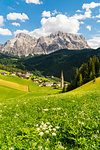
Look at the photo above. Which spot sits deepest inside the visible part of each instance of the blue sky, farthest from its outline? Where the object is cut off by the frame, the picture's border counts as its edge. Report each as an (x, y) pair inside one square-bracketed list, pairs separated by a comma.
[(42, 17)]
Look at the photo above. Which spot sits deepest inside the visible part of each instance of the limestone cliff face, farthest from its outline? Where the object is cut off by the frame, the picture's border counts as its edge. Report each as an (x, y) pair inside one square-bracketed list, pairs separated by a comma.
[(24, 44), (1, 46)]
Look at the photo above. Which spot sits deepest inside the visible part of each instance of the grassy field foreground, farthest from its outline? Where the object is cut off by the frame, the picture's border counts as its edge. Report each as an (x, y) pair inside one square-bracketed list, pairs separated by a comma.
[(54, 122)]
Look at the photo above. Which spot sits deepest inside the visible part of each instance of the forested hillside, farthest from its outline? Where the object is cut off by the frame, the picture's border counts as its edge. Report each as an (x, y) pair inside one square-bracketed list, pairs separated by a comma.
[(52, 64)]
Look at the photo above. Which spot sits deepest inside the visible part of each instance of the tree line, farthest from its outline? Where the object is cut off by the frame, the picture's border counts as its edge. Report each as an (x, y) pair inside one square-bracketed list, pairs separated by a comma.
[(87, 72), (11, 69)]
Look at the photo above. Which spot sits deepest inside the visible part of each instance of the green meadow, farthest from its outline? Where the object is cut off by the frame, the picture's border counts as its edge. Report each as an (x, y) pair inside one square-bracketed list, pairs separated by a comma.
[(43, 118)]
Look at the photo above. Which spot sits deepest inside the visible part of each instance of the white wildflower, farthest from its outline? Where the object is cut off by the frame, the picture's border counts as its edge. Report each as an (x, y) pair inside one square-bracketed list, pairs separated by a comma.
[(41, 126), (50, 129), (44, 128), (41, 133), (58, 108), (48, 123), (95, 136), (53, 134), (42, 123), (46, 109), (54, 129), (97, 131), (36, 125), (11, 148), (50, 126), (57, 127), (47, 131), (40, 148), (17, 115), (38, 129)]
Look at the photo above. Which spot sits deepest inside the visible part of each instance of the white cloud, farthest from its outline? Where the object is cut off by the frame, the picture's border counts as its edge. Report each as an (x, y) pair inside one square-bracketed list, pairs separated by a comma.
[(54, 24), (34, 1), (46, 14), (16, 24), (81, 22), (98, 16), (86, 15), (55, 12), (88, 27), (21, 31), (79, 11), (94, 42), (90, 6), (1, 20), (98, 21), (5, 32), (15, 16)]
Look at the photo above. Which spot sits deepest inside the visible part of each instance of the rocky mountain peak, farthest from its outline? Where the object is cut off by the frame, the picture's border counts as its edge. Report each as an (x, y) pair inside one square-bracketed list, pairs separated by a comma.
[(24, 44)]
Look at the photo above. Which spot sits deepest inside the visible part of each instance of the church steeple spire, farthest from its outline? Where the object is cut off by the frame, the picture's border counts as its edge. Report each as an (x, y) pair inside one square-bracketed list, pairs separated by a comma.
[(62, 79)]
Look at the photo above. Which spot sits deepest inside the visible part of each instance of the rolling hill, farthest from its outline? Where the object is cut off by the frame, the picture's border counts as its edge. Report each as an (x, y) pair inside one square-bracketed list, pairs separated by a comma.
[(66, 60), (58, 121)]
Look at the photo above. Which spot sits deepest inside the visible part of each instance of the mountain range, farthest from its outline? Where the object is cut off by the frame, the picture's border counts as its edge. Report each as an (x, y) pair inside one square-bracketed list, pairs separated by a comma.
[(24, 45)]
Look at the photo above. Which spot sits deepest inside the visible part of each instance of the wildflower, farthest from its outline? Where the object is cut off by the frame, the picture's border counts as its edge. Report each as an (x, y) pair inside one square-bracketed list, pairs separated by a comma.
[(45, 125), (58, 108), (82, 123), (48, 122), (50, 126), (40, 126), (11, 148), (57, 127), (40, 147), (36, 125), (95, 136), (41, 133), (46, 109), (38, 129), (53, 134), (42, 123), (47, 131), (97, 131), (50, 129), (17, 115), (43, 128), (54, 129)]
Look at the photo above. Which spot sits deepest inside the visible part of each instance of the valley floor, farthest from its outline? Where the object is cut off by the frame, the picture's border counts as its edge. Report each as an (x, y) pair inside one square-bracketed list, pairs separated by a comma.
[(47, 120)]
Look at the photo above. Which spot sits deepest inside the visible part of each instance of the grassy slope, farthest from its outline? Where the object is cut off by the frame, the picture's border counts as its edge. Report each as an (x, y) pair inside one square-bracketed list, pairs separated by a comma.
[(15, 82), (7, 93), (76, 113), (14, 85)]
